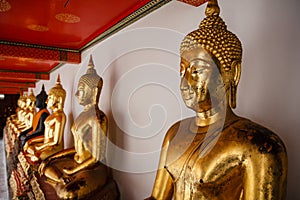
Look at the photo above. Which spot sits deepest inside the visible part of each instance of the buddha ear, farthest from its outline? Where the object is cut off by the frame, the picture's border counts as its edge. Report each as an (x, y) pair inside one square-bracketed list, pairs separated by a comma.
[(236, 67), (236, 74), (95, 95), (60, 102)]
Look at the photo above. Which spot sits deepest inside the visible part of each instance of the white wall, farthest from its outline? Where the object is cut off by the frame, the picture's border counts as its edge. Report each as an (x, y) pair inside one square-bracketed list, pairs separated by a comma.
[(141, 96)]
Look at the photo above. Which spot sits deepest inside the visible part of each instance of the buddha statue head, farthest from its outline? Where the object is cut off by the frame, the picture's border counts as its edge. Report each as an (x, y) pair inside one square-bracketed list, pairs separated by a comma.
[(208, 46), (89, 86), (21, 101), (24, 100), (41, 99), (30, 100), (56, 96)]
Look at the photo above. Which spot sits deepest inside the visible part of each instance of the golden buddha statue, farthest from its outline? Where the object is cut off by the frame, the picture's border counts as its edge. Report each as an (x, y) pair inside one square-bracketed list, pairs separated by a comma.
[(217, 154), (79, 171), (39, 118), (20, 112), (27, 114), (22, 106), (14, 117), (41, 147)]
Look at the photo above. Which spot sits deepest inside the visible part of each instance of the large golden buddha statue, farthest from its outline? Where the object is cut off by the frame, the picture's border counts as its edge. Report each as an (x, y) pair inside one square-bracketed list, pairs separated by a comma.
[(77, 172), (217, 154), (41, 147)]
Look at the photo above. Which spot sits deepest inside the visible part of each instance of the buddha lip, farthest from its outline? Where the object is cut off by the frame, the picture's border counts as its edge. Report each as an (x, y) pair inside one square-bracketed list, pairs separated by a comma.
[(187, 97)]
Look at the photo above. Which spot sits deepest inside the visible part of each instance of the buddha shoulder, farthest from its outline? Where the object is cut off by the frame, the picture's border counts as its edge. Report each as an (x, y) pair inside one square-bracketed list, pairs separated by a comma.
[(249, 133), (180, 129)]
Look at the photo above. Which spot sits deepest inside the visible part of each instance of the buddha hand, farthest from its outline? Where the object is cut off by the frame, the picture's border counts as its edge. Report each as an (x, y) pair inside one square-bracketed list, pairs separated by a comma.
[(41, 169)]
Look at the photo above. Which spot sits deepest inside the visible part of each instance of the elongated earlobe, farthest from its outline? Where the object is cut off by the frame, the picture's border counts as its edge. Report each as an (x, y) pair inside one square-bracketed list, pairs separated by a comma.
[(95, 95), (60, 103), (236, 70), (232, 101)]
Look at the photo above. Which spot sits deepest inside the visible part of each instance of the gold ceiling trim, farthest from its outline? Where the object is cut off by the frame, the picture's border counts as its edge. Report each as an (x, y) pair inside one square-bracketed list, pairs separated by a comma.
[(138, 14), (38, 46)]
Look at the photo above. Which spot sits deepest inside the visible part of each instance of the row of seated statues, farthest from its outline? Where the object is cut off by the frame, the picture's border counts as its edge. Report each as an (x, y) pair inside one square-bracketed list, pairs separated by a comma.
[(214, 155), (71, 172)]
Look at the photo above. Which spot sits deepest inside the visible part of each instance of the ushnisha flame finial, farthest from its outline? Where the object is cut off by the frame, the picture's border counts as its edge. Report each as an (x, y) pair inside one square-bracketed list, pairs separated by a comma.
[(212, 8), (91, 63), (58, 79)]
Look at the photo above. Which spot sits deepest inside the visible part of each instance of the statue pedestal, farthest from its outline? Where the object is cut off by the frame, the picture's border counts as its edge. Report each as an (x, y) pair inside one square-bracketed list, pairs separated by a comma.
[(25, 182)]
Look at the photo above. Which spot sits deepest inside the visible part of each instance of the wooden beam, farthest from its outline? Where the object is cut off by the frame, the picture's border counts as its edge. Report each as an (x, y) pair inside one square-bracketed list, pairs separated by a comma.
[(12, 90), (18, 50), (23, 76), (17, 85)]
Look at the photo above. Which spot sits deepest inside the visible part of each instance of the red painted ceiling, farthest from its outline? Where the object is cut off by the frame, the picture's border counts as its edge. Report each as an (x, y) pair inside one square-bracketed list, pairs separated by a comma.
[(37, 36), (62, 23)]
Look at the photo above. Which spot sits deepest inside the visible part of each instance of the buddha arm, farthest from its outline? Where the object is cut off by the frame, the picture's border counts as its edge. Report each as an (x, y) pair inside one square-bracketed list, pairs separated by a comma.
[(38, 139), (56, 135), (29, 118), (60, 154), (163, 186), (265, 176), (23, 133), (66, 152), (90, 161)]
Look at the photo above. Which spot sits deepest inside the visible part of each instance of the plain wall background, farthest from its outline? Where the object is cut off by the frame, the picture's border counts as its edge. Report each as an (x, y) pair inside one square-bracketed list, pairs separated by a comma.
[(141, 97)]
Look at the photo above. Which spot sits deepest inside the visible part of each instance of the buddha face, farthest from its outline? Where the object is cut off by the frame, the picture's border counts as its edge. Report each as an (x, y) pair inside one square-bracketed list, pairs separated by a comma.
[(200, 78), (20, 103), (51, 101), (83, 94)]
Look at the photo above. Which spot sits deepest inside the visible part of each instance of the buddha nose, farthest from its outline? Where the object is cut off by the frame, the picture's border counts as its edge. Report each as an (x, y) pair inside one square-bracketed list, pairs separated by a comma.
[(184, 80)]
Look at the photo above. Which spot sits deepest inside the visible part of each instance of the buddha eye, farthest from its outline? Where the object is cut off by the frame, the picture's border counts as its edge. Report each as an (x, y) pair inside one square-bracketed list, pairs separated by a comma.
[(182, 69), (198, 71)]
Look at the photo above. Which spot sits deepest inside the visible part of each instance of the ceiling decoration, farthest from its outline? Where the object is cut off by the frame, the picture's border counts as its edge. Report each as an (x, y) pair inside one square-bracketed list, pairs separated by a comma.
[(4, 6), (36, 27), (40, 36), (67, 18)]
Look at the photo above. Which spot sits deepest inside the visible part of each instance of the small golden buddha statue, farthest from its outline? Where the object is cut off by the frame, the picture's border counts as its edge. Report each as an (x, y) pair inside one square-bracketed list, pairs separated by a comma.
[(14, 117), (217, 154), (39, 118), (41, 147), (22, 106), (19, 118), (79, 171), (27, 115)]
